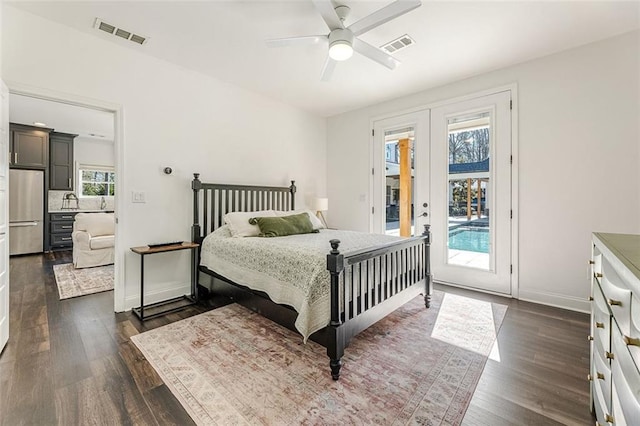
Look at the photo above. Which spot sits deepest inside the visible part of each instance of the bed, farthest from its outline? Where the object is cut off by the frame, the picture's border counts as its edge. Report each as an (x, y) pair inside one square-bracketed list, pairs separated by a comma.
[(328, 286)]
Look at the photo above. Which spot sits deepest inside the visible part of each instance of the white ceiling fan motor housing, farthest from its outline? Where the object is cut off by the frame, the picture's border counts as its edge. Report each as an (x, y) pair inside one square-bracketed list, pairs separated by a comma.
[(340, 44)]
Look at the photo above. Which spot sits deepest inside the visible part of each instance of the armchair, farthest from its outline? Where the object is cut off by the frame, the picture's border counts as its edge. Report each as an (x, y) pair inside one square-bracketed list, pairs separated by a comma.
[(93, 239)]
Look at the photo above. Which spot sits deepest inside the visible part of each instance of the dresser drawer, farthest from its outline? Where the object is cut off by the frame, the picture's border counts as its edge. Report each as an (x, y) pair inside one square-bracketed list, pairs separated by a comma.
[(602, 415), (56, 217), (61, 227), (600, 322), (633, 338), (626, 383), (601, 376), (617, 296), (596, 262)]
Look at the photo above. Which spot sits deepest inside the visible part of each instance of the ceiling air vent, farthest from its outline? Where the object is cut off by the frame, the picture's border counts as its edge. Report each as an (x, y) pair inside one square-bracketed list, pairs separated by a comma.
[(398, 44), (113, 30)]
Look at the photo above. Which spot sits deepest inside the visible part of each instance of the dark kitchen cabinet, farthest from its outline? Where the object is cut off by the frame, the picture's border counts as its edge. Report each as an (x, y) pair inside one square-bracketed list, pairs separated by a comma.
[(29, 146), (61, 227), (61, 161)]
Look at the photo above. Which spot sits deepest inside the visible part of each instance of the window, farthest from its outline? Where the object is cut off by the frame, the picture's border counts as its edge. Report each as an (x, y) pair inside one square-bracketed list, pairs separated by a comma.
[(96, 181)]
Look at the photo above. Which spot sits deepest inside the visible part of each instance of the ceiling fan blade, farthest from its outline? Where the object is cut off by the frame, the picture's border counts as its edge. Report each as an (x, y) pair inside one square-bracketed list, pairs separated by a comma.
[(296, 41), (375, 54), (328, 12), (327, 71), (379, 17)]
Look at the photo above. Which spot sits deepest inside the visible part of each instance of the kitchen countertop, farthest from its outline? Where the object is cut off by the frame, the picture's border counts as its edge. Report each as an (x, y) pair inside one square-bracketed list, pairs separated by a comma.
[(79, 211)]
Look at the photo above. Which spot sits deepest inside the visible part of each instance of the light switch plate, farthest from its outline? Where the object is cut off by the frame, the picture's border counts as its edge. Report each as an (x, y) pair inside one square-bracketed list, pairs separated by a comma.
[(137, 197)]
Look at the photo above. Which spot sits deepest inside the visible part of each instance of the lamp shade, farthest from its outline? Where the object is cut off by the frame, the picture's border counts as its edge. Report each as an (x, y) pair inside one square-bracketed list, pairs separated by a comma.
[(321, 204)]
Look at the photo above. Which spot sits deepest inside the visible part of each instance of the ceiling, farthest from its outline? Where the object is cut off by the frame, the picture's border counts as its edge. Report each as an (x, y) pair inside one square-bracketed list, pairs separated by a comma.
[(454, 40), (85, 122)]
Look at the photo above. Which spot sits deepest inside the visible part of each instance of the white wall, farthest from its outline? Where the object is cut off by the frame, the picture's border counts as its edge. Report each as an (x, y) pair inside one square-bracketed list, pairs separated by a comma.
[(172, 117), (94, 151), (579, 159)]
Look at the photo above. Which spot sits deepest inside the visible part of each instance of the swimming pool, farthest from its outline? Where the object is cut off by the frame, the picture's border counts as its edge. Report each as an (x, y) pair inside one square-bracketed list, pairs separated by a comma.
[(469, 239)]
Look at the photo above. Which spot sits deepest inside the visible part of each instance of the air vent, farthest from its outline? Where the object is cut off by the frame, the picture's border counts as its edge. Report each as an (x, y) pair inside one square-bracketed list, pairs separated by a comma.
[(113, 30), (398, 44)]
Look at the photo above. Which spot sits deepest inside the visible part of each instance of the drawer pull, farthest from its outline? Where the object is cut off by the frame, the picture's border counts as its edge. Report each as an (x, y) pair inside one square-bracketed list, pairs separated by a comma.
[(631, 341), (66, 217), (608, 418), (589, 338), (598, 275), (591, 262), (589, 377), (65, 238), (614, 302), (590, 298), (608, 355), (599, 324), (600, 376)]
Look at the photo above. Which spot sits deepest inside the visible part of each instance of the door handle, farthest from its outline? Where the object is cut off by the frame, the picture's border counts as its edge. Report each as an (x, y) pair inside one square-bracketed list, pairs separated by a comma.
[(18, 224)]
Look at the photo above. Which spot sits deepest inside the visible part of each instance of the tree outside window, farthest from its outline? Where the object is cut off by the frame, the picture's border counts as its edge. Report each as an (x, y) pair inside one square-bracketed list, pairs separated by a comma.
[(97, 183)]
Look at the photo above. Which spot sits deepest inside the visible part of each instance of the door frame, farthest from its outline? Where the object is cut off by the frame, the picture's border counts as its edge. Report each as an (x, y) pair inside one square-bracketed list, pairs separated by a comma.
[(119, 154), (515, 222)]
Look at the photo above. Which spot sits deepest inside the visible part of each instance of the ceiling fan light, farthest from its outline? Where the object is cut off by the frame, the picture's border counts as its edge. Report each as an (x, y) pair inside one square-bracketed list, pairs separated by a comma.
[(340, 50)]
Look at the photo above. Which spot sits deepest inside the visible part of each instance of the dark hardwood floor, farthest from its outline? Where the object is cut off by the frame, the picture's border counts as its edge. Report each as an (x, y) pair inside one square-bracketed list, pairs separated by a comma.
[(71, 362)]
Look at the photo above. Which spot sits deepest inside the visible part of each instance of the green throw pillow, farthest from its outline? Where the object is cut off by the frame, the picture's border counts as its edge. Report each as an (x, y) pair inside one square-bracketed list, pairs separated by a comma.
[(283, 225)]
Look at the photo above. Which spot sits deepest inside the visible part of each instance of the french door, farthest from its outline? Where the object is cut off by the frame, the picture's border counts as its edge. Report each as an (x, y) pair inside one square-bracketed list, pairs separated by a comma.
[(399, 186), (470, 193), (450, 167)]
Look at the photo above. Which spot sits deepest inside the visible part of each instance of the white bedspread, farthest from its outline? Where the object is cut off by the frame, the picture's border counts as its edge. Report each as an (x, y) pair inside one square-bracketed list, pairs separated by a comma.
[(292, 270)]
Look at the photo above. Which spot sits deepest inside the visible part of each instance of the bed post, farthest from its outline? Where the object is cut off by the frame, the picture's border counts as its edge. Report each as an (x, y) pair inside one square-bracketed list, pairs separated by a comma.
[(335, 345), (196, 185), (292, 190), (427, 260)]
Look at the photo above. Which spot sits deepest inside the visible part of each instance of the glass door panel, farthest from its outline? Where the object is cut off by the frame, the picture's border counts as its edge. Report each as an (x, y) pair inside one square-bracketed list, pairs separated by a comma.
[(469, 231), (399, 182)]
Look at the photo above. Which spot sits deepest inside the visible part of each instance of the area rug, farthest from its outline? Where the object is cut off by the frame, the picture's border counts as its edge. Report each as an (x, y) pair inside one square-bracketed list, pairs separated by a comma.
[(74, 282), (416, 366)]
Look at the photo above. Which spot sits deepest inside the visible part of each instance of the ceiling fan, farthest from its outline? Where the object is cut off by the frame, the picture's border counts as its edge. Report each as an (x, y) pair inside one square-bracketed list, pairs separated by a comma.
[(343, 40)]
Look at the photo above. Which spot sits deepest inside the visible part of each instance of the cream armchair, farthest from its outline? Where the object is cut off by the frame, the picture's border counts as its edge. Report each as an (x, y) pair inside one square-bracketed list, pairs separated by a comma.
[(93, 239)]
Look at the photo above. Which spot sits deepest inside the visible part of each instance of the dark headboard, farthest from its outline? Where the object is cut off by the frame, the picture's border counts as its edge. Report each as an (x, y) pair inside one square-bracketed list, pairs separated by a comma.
[(211, 201)]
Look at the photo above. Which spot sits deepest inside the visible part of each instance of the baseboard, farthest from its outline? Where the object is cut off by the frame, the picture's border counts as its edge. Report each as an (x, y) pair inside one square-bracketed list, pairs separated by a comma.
[(167, 291), (557, 300)]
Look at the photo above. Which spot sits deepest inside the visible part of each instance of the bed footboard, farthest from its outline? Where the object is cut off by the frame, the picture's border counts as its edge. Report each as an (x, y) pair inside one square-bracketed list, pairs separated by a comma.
[(369, 284)]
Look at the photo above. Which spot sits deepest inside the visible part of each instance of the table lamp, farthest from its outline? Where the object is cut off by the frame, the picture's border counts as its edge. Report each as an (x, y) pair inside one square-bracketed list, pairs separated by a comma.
[(320, 205)]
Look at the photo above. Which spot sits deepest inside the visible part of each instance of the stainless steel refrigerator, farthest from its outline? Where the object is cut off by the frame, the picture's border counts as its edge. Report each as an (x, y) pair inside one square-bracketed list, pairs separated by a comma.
[(26, 211)]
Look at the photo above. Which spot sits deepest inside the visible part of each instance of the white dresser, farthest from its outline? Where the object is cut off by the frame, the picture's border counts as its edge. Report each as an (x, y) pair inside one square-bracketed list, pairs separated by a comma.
[(615, 329)]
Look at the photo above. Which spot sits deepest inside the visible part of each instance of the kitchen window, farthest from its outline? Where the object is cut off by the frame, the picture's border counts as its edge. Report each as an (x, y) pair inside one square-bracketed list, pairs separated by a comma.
[(96, 181)]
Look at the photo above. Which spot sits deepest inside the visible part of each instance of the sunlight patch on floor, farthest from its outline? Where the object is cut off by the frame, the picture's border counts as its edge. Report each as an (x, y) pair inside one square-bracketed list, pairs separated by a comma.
[(467, 323)]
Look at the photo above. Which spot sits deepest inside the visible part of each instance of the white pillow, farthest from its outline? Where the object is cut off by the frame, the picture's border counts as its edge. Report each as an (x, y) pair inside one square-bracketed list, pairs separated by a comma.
[(315, 221), (239, 222)]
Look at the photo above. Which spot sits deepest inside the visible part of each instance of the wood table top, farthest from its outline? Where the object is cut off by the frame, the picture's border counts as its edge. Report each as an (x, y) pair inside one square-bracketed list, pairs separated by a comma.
[(173, 247)]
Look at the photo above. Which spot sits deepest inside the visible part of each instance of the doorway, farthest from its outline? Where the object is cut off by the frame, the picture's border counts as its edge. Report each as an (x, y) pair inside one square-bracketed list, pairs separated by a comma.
[(91, 132), (450, 167)]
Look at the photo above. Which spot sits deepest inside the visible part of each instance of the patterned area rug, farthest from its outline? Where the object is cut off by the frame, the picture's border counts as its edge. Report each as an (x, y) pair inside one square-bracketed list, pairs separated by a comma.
[(74, 282), (416, 366)]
